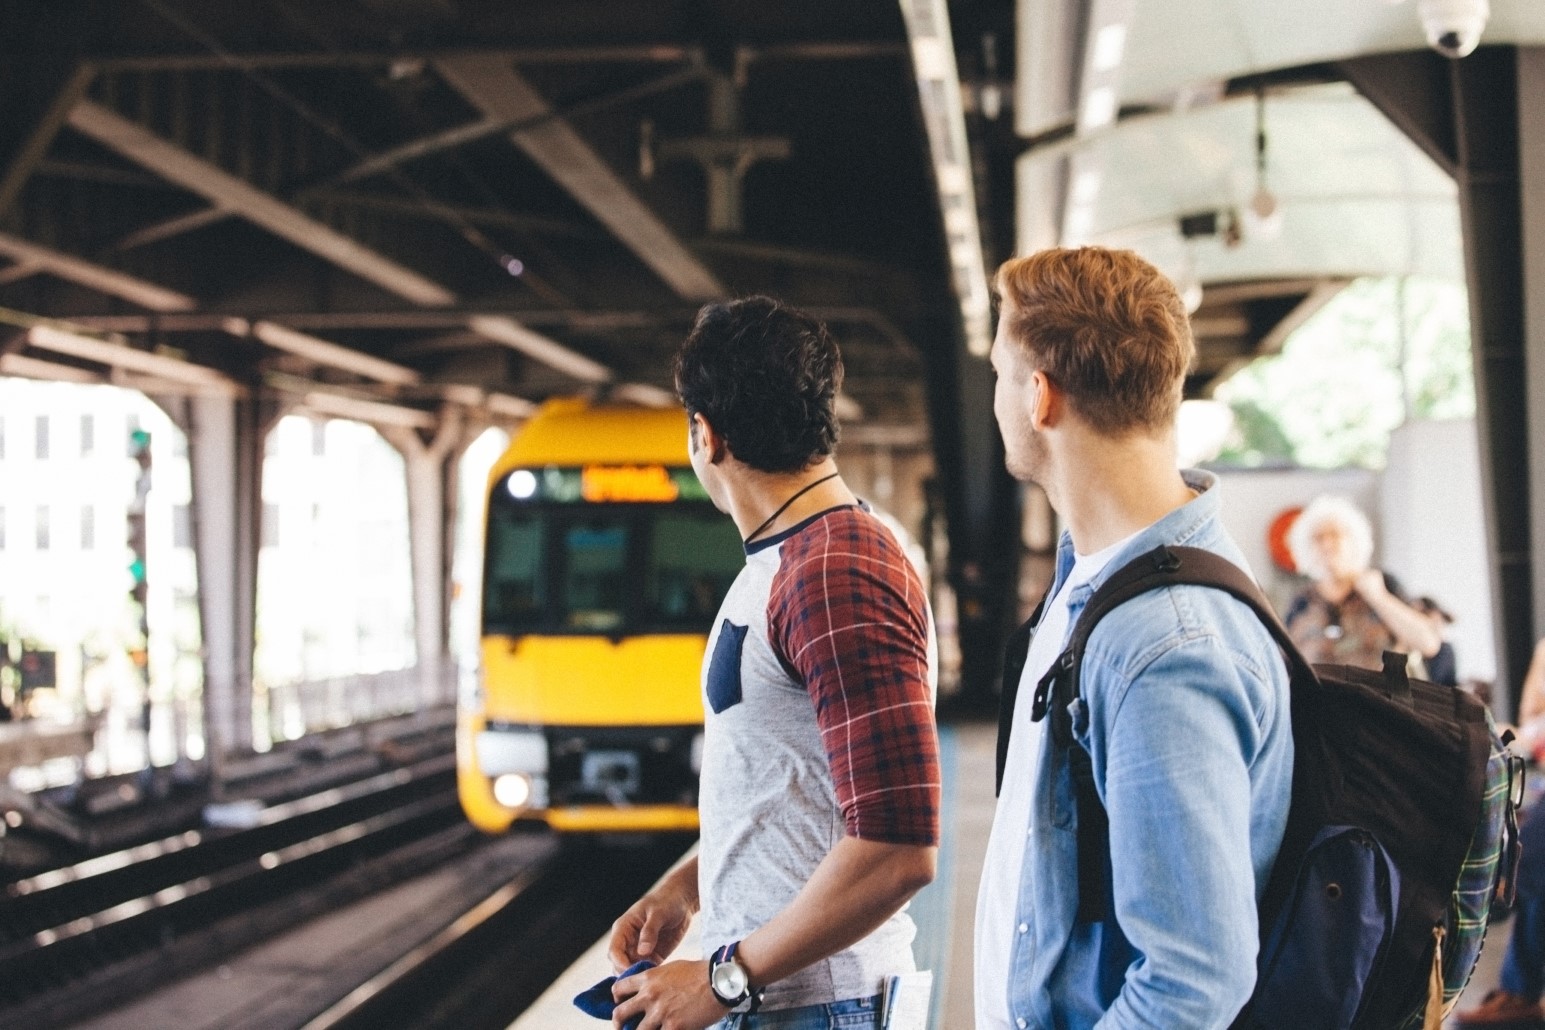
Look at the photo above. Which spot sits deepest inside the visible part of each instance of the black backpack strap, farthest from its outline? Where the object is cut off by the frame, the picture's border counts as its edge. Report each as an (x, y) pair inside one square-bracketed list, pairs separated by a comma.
[(1014, 657), (1164, 566)]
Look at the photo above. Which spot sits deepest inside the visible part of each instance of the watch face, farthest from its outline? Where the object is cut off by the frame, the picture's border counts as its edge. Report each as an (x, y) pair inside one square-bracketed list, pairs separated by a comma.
[(729, 980)]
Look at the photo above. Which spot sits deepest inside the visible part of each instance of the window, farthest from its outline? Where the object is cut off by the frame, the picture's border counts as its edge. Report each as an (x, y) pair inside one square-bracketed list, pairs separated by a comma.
[(42, 527), (594, 581), (318, 437), (88, 436), (88, 528), (575, 568), (516, 593), (694, 556), (128, 436), (42, 438)]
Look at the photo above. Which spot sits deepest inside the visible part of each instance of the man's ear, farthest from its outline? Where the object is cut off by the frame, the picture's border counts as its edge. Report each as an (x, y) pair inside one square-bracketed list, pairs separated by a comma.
[(1045, 403), (707, 438)]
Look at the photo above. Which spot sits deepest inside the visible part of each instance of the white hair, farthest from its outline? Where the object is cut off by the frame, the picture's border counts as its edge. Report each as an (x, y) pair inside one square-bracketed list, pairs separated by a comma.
[(1336, 509)]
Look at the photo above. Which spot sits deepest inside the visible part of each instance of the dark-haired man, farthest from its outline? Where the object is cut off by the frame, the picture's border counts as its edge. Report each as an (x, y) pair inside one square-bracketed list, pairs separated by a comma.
[(1183, 705), (820, 784)]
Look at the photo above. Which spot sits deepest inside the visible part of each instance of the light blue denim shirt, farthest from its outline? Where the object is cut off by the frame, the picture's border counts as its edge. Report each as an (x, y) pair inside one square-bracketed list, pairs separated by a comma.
[(1184, 711)]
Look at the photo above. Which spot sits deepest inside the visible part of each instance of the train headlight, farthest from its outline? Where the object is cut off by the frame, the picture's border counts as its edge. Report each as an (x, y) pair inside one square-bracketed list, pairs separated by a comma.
[(697, 754), (512, 790)]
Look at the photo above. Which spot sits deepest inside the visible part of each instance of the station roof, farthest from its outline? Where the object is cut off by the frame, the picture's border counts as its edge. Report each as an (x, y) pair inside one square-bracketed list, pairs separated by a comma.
[(421, 202), (418, 203), (1154, 124)]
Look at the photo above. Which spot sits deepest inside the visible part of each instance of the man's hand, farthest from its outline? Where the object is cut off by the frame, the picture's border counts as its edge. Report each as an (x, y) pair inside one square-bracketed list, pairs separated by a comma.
[(655, 925), (674, 996), (1370, 583)]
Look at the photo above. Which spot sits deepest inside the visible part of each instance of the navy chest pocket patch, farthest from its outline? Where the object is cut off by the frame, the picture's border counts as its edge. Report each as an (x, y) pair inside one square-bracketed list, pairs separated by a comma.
[(724, 667)]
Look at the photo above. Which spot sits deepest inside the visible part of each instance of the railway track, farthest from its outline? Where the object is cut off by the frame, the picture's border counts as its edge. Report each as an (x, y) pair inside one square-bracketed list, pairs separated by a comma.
[(492, 962), (77, 939)]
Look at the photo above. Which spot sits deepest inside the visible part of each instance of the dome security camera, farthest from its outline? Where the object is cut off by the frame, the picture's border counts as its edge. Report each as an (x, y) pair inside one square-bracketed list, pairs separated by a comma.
[(1453, 27)]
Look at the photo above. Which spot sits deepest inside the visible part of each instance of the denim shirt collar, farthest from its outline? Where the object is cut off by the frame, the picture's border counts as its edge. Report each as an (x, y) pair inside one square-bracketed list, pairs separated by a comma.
[(1178, 527)]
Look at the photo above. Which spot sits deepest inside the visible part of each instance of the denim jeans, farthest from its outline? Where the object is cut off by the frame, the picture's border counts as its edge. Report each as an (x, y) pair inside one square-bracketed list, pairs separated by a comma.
[(838, 1015)]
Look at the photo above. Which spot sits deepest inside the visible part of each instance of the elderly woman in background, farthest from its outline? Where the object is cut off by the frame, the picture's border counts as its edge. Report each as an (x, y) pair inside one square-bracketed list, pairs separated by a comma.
[(1351, 613)]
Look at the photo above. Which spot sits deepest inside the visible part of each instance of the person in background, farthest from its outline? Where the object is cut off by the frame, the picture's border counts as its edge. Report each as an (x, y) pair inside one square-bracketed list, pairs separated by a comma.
[(820, 782), (1443, 667), (1531, 705), (1350, 613)]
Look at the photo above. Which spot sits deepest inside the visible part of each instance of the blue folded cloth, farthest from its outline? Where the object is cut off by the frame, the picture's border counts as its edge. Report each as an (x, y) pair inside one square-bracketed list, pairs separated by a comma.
[(597, 1001)]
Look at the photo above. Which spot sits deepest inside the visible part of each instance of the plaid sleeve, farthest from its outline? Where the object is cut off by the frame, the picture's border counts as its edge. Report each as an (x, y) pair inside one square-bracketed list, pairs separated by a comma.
[(848, 615)]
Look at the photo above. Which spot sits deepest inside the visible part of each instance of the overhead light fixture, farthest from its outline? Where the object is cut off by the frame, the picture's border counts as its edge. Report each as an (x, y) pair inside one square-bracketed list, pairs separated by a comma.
[(1098, 110), (121, 355), (1263, 215), (373, 412), (324, 352), (1110, 44), (943, 110), (990, 95)]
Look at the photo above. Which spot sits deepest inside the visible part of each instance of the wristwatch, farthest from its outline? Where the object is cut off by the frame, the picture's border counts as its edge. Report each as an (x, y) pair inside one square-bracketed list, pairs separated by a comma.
[(727, 978)]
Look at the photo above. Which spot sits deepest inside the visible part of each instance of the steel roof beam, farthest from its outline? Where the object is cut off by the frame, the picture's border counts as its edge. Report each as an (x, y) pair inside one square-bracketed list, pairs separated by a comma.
[(491, 84), (38, 258), (19, 157), (226, 191)]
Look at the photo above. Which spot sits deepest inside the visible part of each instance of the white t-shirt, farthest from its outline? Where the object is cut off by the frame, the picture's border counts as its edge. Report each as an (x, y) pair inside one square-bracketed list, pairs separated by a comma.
[(997, 898)]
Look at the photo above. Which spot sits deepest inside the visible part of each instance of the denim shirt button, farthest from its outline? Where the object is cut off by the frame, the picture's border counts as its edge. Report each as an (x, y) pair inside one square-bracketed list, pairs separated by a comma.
[(1024, 927), (1020, 1022)]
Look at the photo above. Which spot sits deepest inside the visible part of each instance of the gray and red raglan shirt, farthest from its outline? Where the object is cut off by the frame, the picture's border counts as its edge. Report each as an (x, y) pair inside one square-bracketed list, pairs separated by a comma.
[(819, 723)]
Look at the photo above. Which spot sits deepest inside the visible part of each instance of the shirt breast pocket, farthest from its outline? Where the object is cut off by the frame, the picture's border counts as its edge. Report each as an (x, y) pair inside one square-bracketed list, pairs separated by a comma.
[(724, 667)]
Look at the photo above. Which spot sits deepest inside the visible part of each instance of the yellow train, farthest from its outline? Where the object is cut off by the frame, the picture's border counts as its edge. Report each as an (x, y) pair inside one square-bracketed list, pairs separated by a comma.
[(604, 564)]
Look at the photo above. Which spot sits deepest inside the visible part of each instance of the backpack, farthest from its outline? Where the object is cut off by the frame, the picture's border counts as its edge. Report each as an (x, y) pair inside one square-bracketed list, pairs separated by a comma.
[(1402, 826)]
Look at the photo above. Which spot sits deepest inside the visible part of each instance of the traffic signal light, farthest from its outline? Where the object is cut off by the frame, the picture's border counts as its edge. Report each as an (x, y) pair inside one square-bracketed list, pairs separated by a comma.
[(139, 449), (137, 588)]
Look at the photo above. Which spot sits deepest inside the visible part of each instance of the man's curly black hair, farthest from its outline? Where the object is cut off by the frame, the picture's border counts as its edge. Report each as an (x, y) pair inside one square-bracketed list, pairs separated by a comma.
[(766, 377)]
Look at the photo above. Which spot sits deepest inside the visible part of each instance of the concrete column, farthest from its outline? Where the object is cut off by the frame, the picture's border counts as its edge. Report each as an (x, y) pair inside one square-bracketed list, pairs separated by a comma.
[(225, 463), (430, 472)]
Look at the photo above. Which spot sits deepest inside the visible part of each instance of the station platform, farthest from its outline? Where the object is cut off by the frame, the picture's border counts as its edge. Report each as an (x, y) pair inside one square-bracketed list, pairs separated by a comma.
[(945, 911)]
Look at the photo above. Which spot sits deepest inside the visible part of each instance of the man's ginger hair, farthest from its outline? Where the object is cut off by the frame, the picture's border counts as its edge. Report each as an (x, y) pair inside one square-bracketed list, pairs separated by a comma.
[(1107, 328)]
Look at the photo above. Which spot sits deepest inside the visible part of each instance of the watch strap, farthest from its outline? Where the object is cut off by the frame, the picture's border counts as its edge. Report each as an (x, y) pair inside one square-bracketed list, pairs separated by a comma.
[(727, 954)]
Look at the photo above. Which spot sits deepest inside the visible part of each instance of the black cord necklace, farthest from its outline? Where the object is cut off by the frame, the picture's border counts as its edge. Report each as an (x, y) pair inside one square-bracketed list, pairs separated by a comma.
[(785, 505)]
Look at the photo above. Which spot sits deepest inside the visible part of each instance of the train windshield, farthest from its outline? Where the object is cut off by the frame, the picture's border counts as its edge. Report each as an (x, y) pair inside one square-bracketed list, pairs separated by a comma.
[(606, 568)]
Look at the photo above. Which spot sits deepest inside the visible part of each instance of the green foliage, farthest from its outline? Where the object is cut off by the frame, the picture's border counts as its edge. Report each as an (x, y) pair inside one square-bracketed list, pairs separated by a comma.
[(1349, 376)]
